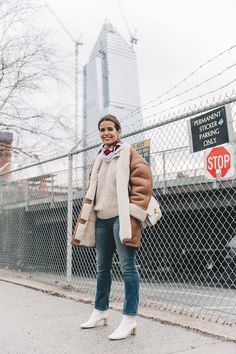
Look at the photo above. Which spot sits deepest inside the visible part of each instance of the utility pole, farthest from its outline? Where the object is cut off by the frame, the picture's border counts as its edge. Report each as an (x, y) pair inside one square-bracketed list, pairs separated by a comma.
[(71, 173), (76, 117), (76, 70)]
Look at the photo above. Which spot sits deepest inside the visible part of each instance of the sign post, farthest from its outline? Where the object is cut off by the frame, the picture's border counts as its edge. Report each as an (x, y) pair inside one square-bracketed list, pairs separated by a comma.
[(219, 162)]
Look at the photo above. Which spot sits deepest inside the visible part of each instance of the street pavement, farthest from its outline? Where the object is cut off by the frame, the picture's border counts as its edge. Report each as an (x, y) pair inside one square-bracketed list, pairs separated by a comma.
[(33, 322)]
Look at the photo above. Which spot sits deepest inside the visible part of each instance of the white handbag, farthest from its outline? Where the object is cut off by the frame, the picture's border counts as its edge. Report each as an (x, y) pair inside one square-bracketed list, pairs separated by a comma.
[(153, 213)]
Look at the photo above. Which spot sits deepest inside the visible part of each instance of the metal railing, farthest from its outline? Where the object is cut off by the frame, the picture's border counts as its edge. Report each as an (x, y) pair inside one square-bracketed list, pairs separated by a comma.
[(187, 262)]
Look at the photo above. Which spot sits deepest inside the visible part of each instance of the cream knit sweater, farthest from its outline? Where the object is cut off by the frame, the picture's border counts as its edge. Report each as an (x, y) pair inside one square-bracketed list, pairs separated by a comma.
[(106, 204)]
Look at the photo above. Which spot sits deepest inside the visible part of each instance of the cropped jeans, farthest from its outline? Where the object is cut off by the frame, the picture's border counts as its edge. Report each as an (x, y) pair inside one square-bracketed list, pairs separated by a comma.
[(107, 240)]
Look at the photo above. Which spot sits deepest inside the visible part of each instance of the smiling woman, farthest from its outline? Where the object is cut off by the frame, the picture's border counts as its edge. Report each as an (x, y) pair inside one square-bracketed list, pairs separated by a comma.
[(110, 130), (114, 207)]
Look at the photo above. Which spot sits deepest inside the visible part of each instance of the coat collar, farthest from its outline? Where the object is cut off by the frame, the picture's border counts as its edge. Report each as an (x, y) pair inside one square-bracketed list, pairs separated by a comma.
[(122, 182)]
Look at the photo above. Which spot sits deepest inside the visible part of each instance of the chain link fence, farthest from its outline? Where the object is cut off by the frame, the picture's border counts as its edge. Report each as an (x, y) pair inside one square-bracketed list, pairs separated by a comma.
[(187, 261)]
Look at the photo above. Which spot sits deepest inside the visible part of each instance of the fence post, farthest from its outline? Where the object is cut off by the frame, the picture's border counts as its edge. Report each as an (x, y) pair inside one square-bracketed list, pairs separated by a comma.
[(1, 197), (69, 218), (164, 172), (52, 191), (27, 195)]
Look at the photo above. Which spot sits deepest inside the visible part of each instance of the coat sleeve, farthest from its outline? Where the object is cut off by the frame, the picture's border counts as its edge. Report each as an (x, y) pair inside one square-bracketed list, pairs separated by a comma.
[(140, 185)]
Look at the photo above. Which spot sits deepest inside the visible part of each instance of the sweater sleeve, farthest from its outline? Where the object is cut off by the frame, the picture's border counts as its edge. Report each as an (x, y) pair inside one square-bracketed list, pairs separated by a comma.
[(140, 185)]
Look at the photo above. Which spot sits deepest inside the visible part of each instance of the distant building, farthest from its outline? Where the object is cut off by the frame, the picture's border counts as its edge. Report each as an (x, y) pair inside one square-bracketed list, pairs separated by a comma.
[(111, 80), (6, 139)]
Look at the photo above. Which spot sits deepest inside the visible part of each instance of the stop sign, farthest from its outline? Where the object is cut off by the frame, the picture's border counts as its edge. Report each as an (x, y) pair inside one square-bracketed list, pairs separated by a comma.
[(219, 162)]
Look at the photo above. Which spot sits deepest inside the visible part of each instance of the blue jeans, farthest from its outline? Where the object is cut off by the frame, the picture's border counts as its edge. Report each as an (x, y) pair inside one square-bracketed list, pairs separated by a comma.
[(107, 240)]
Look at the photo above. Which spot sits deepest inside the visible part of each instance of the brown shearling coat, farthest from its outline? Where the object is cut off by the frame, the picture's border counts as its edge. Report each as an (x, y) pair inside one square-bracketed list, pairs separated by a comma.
[(140, 191)]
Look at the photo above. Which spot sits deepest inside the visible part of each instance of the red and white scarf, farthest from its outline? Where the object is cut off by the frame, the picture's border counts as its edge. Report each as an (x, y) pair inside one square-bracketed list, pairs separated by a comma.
[(107, 153)]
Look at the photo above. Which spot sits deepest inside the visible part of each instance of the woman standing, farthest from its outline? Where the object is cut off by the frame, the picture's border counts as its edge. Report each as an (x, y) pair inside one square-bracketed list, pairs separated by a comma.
[(113, 209)]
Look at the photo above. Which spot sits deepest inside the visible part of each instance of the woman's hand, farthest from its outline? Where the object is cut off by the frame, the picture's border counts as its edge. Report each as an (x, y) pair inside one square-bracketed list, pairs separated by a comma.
[(135, 241)]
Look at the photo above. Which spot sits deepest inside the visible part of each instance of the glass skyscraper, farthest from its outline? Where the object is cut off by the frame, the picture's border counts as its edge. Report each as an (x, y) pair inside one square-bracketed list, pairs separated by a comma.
[(110, 80)]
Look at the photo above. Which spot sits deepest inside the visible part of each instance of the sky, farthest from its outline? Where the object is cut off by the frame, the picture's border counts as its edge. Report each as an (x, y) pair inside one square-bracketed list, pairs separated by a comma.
[(174, 36)]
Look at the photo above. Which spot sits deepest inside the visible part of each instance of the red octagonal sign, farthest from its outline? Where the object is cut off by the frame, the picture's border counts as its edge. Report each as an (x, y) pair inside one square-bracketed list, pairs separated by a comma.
[(218, 161)]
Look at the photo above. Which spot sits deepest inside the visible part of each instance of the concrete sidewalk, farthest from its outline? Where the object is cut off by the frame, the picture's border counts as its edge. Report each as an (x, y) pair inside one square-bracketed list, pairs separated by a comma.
[(33, 322)]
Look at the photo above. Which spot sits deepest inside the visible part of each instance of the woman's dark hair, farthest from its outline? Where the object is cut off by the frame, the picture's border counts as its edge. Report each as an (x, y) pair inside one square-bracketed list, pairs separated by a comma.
[(111, 118)]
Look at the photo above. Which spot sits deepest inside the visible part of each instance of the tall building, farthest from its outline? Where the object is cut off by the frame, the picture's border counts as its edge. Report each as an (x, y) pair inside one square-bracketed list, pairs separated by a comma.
[(111, 80)]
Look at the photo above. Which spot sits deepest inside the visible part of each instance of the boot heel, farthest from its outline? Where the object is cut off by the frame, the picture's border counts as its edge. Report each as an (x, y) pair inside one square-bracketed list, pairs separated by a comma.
[(134, 332)]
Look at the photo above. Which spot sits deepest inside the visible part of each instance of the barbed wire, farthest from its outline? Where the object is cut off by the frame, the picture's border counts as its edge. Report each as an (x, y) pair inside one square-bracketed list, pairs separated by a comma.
[(207, 105), (146, 106), (166, 110), (95, 134), (188, 90), (137, 110), (192, 99), (194, 87)]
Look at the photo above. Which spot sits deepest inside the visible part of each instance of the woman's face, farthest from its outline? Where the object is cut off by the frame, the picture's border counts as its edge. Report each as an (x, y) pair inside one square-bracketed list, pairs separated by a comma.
[(108, 132)]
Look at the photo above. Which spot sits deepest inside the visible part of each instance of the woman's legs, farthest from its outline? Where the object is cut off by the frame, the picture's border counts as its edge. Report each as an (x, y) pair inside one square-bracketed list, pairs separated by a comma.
[(127, 256), (107, 239), (105, 246)]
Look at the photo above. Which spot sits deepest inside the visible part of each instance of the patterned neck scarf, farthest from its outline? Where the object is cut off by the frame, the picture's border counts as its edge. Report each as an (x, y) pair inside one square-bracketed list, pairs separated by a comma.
[(107, 153)]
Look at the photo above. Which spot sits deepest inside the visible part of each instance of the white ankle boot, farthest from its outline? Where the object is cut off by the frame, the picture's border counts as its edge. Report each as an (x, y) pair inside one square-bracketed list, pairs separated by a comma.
[(126, 327), (95, 318)]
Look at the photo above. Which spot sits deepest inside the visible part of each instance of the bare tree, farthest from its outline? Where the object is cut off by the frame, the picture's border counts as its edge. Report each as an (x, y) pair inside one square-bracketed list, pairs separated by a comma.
[(28, 65)]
